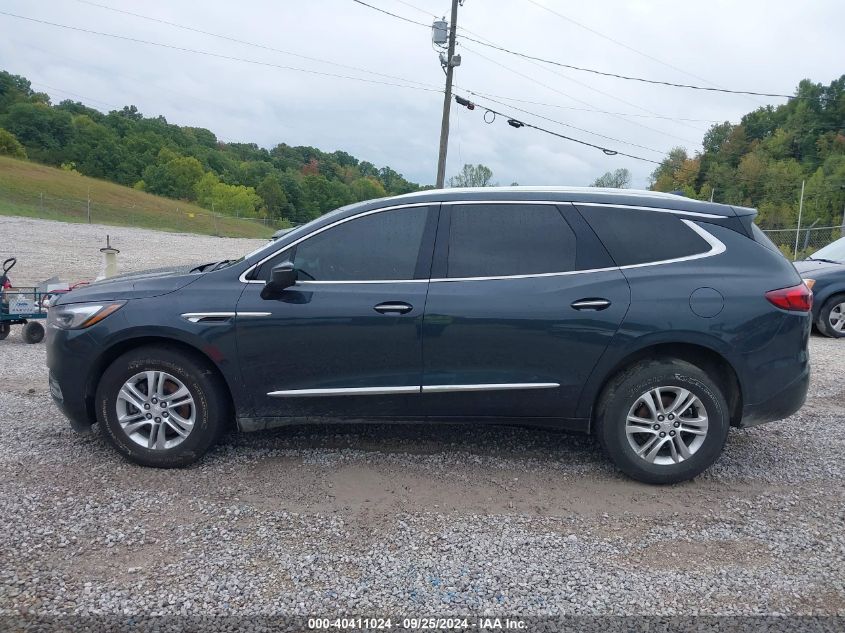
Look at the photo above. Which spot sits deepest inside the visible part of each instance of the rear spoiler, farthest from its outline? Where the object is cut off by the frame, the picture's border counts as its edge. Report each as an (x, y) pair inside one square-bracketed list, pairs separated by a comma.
[(746, 216)]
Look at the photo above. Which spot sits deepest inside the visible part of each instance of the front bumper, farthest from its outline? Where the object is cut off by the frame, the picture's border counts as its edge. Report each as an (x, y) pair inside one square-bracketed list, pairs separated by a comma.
[(69, 357), (781, 405)]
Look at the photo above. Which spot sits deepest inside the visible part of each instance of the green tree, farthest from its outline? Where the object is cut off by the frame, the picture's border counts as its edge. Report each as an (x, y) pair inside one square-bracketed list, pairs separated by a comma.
[(234, 200), (43, 130), (10, 146), (273, 194), (367, 188), (472, 176), (618, 179), (173, 176)]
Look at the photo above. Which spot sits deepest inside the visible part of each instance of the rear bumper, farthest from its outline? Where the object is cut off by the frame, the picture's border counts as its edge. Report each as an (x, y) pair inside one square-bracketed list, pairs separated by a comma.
[(781, 405)]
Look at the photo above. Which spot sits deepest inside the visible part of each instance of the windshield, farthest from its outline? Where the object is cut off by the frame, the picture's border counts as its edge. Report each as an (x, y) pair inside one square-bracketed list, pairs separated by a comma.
[(834, 252), (294, 233)]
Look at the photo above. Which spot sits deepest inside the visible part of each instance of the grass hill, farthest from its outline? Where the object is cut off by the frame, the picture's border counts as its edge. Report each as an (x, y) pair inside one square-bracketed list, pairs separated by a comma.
[(34, 190)]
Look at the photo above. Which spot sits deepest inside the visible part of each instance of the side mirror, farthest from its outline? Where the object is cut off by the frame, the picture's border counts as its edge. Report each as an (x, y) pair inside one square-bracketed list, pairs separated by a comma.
[(282, 276)]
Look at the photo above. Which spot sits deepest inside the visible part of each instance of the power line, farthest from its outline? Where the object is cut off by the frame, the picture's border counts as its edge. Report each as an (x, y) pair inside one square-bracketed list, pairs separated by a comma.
[(248, 43), (553, 89), (618, 43), (618, 114), (516, 123), (574, 127), (627, 77), (394, 15), (530, 78), (416, 8), (490, 44), (74, 94), (218, 55)]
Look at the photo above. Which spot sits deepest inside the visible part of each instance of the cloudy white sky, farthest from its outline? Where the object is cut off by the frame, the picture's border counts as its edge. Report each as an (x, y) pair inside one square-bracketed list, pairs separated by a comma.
[(759, 45)]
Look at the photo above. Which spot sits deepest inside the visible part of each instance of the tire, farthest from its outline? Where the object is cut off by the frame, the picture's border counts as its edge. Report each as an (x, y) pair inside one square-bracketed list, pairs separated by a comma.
[(829, 311), (623, 397), (33, 332), (5, 328), (209, 407)]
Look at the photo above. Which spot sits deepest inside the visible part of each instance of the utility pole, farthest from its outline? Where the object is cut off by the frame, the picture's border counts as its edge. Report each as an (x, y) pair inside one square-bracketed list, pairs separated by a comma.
[(89, 205), (842, 229), (450, 64), (800, 211)]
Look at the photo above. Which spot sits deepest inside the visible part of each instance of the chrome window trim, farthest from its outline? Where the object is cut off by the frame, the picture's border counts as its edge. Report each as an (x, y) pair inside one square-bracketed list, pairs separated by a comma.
[(326, 228), (408, 389), (697, 214), (716, 246)]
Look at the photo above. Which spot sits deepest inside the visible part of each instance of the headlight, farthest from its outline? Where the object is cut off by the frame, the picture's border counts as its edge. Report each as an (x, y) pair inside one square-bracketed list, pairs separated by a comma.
[(77, 316)]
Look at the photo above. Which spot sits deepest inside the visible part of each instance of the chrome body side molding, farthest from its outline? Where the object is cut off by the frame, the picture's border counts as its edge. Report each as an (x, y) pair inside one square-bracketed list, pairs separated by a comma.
[(509, 386), (197, 317), (349, 391), (384, 391)]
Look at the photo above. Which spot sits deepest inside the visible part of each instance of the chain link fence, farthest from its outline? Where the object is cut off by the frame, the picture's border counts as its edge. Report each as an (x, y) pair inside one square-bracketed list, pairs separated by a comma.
[(799, 243), (169, 217)]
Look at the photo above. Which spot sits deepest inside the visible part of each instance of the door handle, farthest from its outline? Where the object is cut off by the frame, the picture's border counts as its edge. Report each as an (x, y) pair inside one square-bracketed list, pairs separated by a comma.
[(591, 304), (393, 307)]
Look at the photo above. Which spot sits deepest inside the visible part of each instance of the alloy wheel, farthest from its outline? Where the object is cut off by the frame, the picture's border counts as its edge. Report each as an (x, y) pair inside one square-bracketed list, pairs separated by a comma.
[(156, 410), (666, 425), (837, 317)]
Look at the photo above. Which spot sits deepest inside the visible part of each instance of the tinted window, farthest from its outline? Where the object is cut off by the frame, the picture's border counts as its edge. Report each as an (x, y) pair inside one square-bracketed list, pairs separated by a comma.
[(638, 237), (509, 239), (378, 246)]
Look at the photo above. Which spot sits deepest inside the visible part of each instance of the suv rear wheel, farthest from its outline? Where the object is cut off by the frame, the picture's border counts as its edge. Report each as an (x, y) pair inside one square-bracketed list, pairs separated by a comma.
[(161, 408), (831, 321), (662, 421)]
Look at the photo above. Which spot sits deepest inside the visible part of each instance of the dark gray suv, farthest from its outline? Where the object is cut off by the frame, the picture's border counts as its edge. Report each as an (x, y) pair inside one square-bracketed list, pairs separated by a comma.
[(653, 321)]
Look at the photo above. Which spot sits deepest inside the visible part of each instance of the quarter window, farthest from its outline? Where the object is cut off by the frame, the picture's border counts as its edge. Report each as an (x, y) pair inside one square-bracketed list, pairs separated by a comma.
[(500, 240), (633, 236), (378, 246)]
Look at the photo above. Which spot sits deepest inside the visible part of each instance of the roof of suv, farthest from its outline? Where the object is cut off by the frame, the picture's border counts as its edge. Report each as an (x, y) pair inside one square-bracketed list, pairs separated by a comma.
[(627, 197)]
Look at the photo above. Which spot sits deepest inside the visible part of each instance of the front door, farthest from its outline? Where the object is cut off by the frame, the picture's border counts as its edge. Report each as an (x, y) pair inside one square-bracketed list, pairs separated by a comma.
[(514, 322), (345, 341)]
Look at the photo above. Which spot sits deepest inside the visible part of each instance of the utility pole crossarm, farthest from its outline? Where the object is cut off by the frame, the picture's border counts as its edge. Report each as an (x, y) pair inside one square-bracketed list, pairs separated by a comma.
[(447, 98)]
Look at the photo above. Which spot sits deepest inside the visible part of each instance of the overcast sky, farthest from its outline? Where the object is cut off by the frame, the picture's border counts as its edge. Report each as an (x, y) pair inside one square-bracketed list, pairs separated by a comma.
[(758, 45)]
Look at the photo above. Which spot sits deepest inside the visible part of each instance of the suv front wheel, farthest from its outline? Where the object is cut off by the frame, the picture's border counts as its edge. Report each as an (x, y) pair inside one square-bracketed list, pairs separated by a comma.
[(161, 408), (662, 421)]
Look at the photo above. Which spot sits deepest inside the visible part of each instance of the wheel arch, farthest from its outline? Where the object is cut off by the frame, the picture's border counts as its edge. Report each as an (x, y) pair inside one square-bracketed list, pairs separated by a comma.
[(711, 361), (111, 353)]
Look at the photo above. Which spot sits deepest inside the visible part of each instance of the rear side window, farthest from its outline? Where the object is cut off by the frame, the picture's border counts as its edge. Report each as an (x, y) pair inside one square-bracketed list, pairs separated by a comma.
[(500, 240), (633, 236)]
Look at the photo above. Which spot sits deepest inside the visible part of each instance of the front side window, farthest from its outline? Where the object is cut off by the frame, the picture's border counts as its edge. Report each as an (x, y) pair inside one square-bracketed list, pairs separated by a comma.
[(633, 236), (501, 240), (379, 246)]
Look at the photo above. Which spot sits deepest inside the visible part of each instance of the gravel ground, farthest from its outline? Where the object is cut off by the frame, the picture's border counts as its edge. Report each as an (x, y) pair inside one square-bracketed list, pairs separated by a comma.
[(408, 519)]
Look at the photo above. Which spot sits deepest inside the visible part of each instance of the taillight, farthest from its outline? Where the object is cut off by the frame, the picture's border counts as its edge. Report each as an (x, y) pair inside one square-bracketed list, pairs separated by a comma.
[(797, 298)]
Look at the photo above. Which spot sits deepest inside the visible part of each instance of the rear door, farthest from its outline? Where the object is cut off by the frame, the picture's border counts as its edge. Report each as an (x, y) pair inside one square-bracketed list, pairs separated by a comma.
[(523, 301)]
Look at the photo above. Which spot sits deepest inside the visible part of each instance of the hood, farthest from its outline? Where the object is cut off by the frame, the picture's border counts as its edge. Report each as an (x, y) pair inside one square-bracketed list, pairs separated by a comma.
[(810, 267), (138, 285)]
